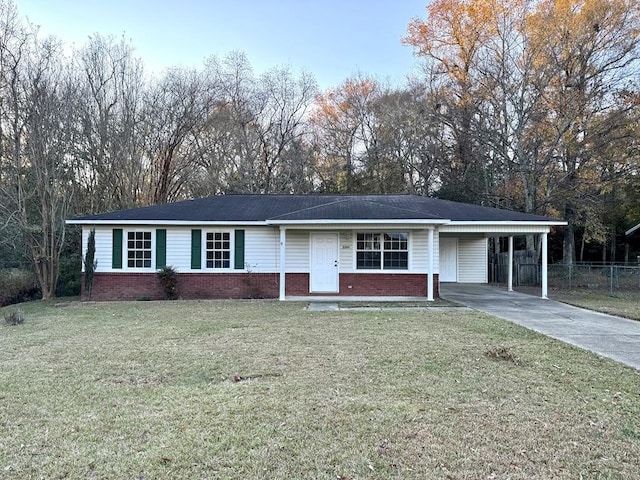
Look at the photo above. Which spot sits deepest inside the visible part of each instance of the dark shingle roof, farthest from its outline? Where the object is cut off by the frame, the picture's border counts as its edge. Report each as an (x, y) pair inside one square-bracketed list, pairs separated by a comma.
[(261, 208)]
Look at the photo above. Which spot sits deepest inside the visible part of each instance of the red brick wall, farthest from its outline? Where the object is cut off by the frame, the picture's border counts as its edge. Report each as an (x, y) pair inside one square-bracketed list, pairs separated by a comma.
[(137, 286), (367, 284)]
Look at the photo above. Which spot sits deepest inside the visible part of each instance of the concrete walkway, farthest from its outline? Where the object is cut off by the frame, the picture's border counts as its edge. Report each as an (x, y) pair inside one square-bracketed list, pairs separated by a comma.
[(613, 337)]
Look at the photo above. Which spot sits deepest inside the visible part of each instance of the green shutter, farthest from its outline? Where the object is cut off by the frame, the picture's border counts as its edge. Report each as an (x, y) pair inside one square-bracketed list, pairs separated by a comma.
[(161, 248), (196, 249), (239, 250), (116, 253)]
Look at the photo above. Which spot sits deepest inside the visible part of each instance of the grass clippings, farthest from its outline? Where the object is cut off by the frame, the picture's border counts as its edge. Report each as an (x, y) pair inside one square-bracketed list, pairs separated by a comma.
[(149, 390), (502, 353)]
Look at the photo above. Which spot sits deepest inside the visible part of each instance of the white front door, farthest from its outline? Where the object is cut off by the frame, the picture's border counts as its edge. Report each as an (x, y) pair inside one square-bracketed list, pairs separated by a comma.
[(324, 263), (448, 259)]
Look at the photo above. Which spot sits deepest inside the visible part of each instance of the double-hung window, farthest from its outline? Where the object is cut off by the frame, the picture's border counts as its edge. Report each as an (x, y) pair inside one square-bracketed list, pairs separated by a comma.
[(382, 251), (139, 249), (218, 250)]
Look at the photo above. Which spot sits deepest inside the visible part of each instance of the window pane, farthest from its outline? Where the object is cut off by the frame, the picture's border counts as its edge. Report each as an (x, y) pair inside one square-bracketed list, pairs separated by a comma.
[(368, 260), (368, 241), (395, 241), (396, 260), (139, 249), (218, 250)]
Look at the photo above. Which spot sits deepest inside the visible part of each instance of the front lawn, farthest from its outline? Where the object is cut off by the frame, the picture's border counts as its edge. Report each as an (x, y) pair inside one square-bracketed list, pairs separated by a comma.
[(621, 303), (146, 390)]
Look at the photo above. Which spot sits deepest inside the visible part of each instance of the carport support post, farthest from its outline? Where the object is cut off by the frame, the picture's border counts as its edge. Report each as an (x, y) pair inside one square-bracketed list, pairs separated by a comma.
[(430, 266), (283, 250), (510, 266), (543, 272)]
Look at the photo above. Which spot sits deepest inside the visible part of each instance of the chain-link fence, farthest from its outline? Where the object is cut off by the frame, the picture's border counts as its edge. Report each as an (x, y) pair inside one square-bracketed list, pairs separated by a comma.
[(588, 276), (612, 278)]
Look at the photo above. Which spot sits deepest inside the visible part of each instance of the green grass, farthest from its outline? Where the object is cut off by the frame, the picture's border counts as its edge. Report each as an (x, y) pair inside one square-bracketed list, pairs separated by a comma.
[(624, 304), (145, 390)]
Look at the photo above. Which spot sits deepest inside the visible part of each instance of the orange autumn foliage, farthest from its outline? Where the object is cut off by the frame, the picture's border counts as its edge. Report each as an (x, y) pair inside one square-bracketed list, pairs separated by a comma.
[(340, 101), (453, 32)]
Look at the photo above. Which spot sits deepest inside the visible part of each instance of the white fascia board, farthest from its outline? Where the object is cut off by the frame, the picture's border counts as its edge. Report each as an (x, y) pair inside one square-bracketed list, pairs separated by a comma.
[(631, 230), (512, 223), (158, 222), (356, 222)]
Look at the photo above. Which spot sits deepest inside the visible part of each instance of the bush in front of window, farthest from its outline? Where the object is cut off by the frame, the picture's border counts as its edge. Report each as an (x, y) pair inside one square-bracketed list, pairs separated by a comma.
[(168, 277)]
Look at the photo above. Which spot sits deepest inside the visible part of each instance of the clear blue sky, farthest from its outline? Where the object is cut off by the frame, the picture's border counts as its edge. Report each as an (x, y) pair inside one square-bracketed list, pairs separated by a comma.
[(333, 39)]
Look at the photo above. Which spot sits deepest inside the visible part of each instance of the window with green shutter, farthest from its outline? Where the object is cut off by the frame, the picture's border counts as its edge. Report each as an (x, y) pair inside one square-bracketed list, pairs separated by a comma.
[(161, 248), (238, 263), (196, 249), (116, 250)]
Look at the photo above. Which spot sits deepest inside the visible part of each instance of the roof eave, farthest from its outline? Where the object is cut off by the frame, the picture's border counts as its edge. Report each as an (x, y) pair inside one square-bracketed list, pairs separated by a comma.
[(632, 230), (385, 221), (161, 222), (511, 222)]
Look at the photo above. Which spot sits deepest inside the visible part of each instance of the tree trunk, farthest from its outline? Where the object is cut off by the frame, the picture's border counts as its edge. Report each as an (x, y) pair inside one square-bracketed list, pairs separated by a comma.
[(568, 244)]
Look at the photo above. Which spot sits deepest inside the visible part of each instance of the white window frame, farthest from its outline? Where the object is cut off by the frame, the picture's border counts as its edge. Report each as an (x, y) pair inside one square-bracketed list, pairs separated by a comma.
[(382, 251), (204, 260), (125, 249)]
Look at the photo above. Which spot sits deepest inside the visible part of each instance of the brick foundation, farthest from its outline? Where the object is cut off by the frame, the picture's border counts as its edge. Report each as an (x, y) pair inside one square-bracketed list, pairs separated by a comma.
[(367, 284), (138, 286)]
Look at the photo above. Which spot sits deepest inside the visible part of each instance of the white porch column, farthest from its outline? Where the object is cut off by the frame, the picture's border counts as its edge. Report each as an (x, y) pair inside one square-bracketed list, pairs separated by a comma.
[(430, 265), (510, 266), (543, 273), (283, 251)]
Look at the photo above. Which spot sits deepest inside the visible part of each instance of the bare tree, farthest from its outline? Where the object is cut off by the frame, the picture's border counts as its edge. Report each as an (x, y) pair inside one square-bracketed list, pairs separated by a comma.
[(175, 115), (254, 140), (108, 169), (36, 191)]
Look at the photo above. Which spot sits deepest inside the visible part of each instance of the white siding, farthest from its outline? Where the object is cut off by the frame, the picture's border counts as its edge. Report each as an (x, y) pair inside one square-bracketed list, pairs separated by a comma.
[(262, 249), (104, 241), (472, 259), (347, 252), (297, 260), (179, 248), (419, 251)]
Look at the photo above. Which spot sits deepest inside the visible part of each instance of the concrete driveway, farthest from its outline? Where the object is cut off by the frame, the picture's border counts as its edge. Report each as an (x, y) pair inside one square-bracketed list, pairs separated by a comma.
[(613, 337)]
